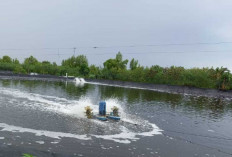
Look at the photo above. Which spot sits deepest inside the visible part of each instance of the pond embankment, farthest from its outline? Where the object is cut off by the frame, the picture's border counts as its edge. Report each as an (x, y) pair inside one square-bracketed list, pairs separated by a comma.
[(146, 86)]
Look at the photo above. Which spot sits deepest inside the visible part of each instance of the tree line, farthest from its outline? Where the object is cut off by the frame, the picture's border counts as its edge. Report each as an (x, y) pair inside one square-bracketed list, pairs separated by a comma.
[(119, 69)]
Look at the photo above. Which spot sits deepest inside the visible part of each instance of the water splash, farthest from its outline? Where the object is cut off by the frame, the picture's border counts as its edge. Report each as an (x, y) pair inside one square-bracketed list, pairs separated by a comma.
[(126, 130)]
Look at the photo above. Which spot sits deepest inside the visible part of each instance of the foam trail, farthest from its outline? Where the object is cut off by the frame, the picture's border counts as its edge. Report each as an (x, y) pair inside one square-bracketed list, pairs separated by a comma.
[(51, 134), (123, 86), (126, 136)]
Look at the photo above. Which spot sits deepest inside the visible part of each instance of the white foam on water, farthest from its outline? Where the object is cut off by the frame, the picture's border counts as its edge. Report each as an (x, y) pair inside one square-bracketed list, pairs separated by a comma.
[(55, 142), (82, 80), (75, 109), (40, 142), (126, 136), (76, 79), (79, 82), (2, 138), (51, 134), (129, 121)]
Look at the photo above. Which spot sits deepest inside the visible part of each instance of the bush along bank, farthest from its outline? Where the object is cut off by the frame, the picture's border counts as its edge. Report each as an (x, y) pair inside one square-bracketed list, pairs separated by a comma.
[(116, 69)]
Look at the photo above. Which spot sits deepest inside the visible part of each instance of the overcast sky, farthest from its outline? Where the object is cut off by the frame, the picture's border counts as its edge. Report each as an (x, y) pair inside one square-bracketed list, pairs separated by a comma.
[(153, 27)]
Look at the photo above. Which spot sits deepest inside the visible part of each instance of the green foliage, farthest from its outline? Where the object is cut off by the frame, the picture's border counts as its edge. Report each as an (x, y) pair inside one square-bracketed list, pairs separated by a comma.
[(75, 61), (155, 74), (224, 79), (6, 59), (117, 63), (7, 66), (28, 155), (94, 72), (110, 64), (133, 64), (138, 75), (15, 61), (197, 78), (121, 64), (79, 63), (19, 69), (31, 61), (113, 67), (116, 69), (30, 64)]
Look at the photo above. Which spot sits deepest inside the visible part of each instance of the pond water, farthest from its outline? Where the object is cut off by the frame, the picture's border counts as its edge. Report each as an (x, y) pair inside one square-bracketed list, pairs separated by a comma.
[(47, 119)]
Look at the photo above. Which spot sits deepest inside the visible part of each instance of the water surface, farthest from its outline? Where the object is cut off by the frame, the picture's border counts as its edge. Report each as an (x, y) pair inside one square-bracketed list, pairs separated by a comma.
[(47, 119)]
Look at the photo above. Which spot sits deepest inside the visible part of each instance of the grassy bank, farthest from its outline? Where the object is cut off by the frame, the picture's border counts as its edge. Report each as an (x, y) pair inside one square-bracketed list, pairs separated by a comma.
[(123, 70)]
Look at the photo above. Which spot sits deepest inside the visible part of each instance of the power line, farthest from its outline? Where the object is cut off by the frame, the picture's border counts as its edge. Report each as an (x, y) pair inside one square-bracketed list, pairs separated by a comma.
[(164, 52), (128, 46), (27, 49), (168, 44), (138, 53)]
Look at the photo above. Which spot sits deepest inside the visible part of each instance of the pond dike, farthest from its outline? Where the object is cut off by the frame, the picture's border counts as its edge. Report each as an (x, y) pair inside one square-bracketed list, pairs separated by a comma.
[(11, 76), (166, 88)]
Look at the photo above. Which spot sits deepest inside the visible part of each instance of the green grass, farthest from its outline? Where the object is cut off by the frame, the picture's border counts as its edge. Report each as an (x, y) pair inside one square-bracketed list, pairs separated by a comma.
[(28, 155)]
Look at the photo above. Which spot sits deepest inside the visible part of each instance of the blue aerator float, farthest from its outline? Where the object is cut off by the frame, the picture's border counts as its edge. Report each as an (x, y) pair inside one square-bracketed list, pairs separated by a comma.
[(102, 111), (103, 115)]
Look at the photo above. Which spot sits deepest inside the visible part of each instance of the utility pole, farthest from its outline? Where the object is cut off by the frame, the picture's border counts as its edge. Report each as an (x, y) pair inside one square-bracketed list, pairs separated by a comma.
[(74, 51)]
